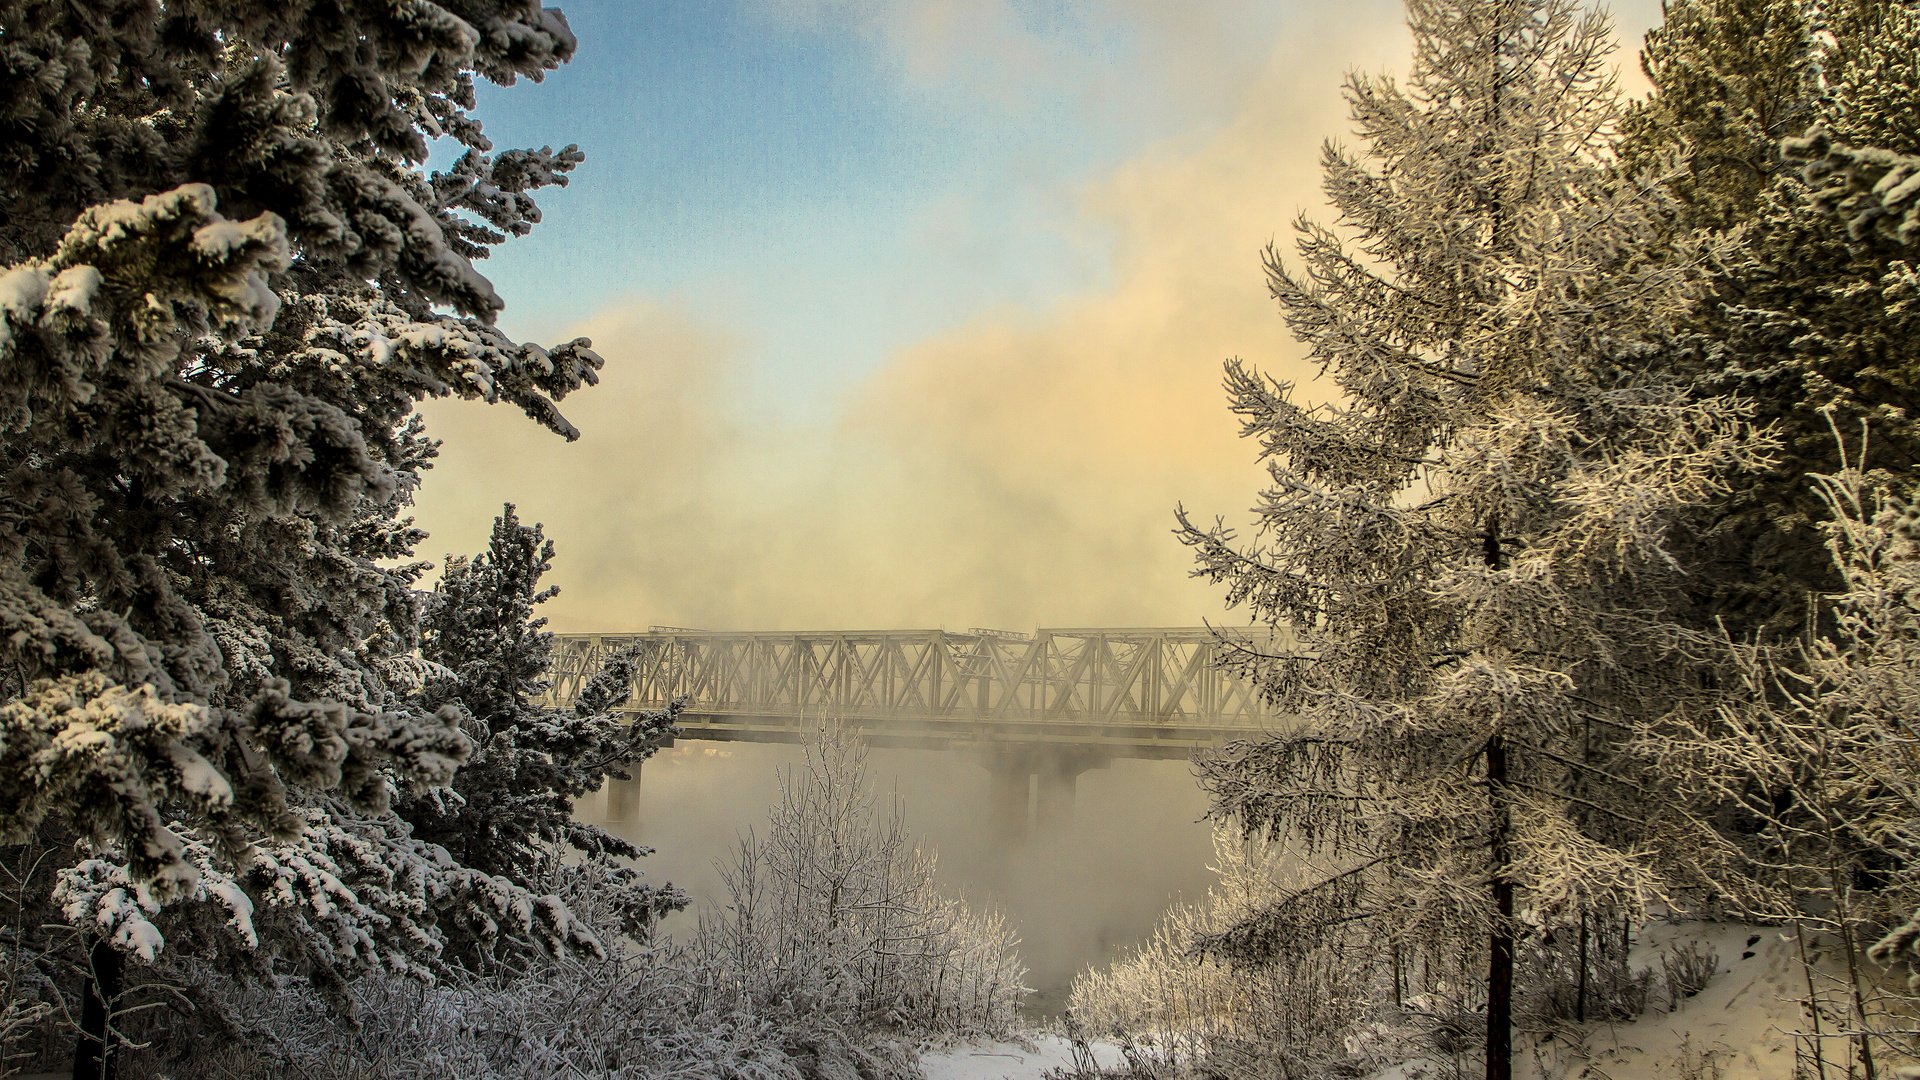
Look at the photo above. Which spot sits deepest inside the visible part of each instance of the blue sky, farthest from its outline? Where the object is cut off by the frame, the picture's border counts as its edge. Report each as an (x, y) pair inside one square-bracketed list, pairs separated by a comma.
[(913, 310), (801, 173)]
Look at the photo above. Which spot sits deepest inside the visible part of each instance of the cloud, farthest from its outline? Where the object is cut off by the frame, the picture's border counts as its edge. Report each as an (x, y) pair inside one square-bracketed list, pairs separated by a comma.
[(1103, 57), (655, 468), (1049, 448), (1020, 469)]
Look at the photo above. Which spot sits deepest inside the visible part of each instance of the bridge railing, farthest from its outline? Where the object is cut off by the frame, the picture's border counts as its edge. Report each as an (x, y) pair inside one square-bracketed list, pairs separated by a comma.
[(1166, 676)]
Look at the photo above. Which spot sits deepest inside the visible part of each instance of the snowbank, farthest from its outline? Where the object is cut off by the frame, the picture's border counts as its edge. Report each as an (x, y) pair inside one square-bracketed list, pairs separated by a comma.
[(1002, 1060)]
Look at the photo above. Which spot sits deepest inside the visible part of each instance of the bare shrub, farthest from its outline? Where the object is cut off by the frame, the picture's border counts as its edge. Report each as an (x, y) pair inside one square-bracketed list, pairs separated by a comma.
[(1688, 968), (627, 1017), (25, 1010), (1620, 991), (1580, 975), (1699, 1063)]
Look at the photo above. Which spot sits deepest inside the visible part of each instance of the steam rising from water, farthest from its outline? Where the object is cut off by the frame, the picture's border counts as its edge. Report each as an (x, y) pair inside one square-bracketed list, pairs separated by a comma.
[(1081, 890)]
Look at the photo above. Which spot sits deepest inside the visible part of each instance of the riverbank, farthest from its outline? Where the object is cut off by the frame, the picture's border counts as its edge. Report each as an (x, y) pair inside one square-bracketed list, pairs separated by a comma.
[(1004, 1059)]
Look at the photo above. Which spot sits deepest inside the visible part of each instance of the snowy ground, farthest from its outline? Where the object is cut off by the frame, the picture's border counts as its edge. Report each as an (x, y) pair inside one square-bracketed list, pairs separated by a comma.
[(1738, 1028), (1740, 1024), (1009, 1060), (1743, 1019)]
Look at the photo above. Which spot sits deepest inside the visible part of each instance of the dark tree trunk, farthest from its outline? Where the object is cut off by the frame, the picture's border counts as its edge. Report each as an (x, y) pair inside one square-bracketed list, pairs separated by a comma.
[(1500, 945), (1399, 978), (93, 1057), (1580, 992)]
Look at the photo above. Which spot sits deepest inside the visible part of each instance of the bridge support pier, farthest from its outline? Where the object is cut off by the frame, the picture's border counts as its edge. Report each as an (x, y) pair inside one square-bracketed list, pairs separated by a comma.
[(1007, 787), (1031, 790), (1053, 792), (623, 796)]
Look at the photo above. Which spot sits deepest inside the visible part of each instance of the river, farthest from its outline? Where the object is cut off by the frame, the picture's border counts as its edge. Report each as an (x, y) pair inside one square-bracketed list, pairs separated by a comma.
[(1082, 888)]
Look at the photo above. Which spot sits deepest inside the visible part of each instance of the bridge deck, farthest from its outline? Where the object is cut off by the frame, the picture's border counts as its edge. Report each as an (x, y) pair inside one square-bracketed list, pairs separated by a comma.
[(1135, 692)]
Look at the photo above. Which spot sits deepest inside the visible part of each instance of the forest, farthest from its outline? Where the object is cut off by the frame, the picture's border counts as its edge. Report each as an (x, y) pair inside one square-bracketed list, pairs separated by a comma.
[(1600, 520)]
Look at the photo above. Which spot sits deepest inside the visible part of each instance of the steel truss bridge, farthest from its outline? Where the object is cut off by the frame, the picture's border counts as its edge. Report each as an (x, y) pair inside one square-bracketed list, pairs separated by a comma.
[(1149, 693)]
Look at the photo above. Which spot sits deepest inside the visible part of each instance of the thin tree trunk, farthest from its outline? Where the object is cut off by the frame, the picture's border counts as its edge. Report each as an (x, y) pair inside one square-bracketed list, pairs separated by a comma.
[(1841, 888), (1500, 944), (93, 1057), (1813, 1004), (1580, 991), (1399, 978), (1864, 1036)]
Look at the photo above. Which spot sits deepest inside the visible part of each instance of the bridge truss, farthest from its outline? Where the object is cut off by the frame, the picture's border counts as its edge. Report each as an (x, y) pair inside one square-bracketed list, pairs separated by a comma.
[(1125, 692)]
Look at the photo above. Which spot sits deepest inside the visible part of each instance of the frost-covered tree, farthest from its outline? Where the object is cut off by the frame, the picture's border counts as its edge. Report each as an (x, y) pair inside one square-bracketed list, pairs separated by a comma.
[(835, 923), (1803, 320), (1289, 1019), (227, 275), (1812, 752), (1814, 749), (1476, 530), (510, 808)]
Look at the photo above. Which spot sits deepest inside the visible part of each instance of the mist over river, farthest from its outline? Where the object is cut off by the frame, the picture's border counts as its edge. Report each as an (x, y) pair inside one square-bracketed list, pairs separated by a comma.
[(1082, 887)]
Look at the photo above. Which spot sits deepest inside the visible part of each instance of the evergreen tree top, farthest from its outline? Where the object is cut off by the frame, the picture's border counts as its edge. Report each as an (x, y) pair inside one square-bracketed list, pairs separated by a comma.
[(227, 277)]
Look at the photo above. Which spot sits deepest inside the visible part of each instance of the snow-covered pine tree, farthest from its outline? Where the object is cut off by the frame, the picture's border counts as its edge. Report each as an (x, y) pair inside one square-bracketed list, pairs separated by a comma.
[(1476, 532), (1803, 320), (226, 277), (1732, 79), (1876, 192), (510, 809)]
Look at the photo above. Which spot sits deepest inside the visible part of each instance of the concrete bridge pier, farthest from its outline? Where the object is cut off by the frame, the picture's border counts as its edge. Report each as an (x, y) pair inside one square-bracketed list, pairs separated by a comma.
[(1031, 789), (1007, 794), (1055, 778), (623, 796)]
